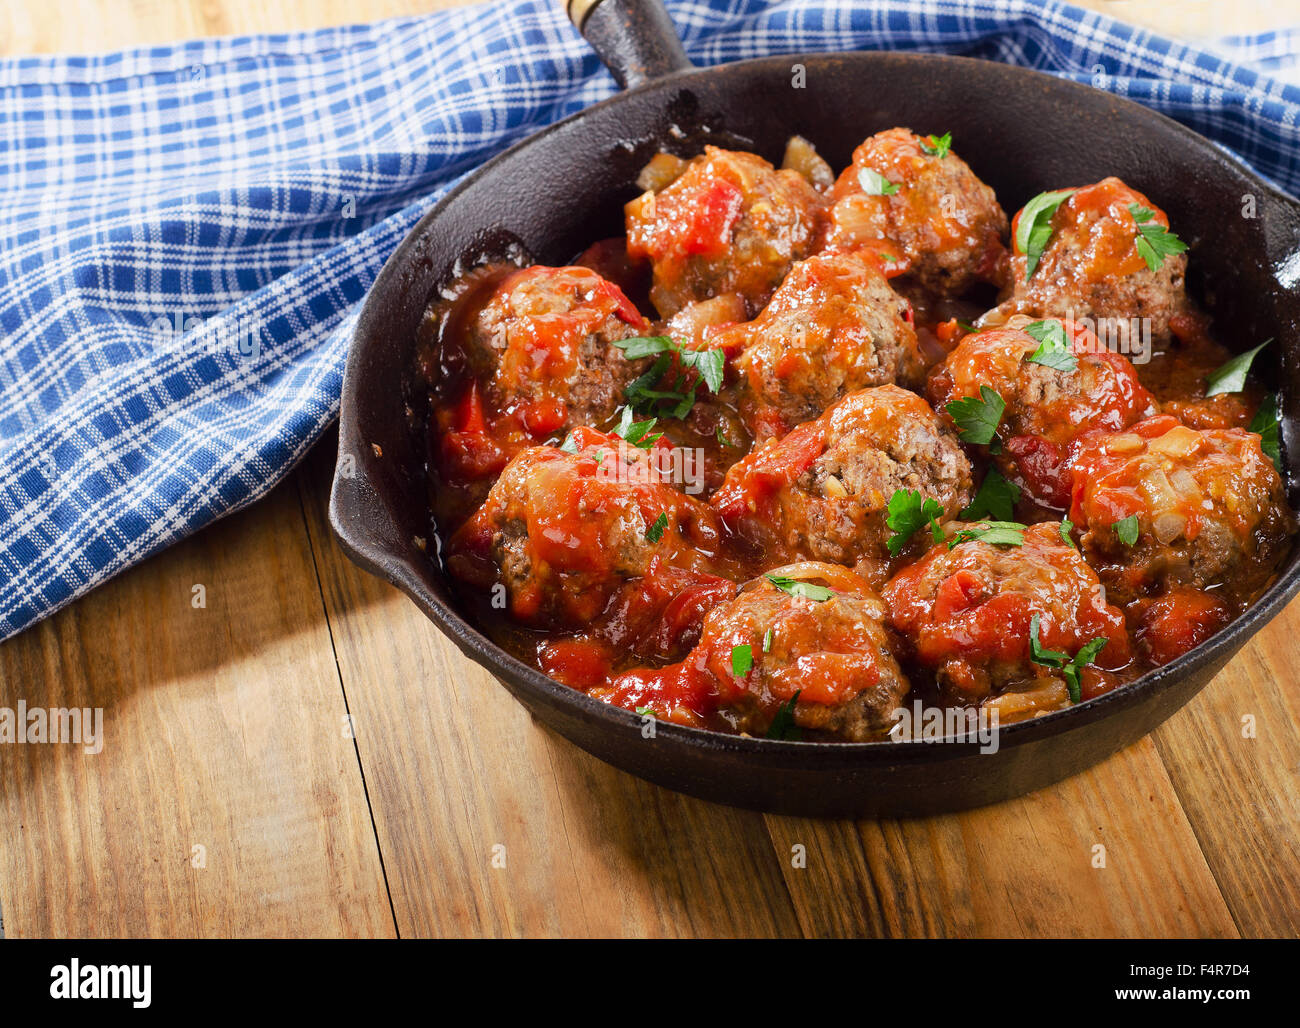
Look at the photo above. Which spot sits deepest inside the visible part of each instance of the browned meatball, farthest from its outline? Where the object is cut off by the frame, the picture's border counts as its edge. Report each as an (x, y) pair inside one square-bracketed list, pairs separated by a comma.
[(1093, 268), (1162, 505), (968, 614), (561, 531), (541, 341), (822, 492), (811, 638), (729, 223), (930, 207), (832, 327), (1075, 388)]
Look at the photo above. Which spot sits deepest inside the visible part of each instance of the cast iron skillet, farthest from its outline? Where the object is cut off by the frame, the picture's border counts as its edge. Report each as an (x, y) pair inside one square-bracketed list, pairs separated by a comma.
[(564, 187)]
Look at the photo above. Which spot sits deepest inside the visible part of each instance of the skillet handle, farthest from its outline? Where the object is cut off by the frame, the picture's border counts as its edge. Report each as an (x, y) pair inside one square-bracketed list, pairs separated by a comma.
[(635, 39)]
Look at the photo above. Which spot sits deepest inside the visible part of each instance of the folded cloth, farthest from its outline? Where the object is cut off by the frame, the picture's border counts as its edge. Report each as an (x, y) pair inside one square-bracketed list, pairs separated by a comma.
[(187, 230)]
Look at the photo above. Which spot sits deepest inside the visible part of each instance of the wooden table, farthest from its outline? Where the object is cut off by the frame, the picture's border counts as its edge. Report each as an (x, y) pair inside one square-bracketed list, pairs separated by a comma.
[(306, 755)]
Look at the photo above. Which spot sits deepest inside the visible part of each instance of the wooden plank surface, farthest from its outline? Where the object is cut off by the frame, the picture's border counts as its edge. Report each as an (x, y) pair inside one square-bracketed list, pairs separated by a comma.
[(227, 798), (453, 813)]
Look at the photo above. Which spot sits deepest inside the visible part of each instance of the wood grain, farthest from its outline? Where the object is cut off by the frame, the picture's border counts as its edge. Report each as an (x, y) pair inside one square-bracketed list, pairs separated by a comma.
[(1025, 868), (224, 729), (456, 767)]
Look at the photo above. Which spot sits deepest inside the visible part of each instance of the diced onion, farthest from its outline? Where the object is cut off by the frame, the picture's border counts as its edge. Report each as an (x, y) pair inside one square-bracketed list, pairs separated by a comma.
[(802, 156), (1178, 442), (1159, 493), (1168, 527), (834, 487), (662, 170), (1127, 442), (1184, 484)]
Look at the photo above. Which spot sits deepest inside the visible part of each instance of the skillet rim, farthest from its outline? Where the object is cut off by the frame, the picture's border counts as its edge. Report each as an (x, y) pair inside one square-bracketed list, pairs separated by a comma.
[(350, 494)]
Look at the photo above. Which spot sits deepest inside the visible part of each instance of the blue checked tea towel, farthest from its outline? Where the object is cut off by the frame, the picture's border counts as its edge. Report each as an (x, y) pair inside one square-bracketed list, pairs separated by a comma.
[(186, 231)]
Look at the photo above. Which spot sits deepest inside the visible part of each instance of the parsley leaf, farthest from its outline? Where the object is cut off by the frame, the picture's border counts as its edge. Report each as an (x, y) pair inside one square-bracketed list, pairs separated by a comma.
[(977, 417), (570, 445), (996, 499), (1063, 662), (656, 531), (641, 394), (1039, 655), (1067, 526), (646, 711), (1154, 241), (1231, 377), (637, 347), (937, 147), (783, 726), (1055, 350), (1127, 529), (636, 432), (798, 587), (875, 184), (1034, 227), (1267, 425), (908, 512), (995, 533), (742, 659), (709, 363)]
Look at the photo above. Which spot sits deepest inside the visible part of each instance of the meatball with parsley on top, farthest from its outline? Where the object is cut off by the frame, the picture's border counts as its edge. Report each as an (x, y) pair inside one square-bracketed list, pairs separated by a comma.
[(914, 201), (822, 492), (724, 223), (1103, 252), (803, 647), (1030, 392), (1010, 614)]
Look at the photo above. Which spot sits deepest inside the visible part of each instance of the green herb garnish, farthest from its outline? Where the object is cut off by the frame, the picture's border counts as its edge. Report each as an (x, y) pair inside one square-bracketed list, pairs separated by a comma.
[(977, 417), (1231, 377), (908, 512), (656, 531), (1034, 228), (1127, 529), (783, 726), (1267, 425), (937, 147), (767, 640), (1067, 526), (996, 499), (742, 659), (875, 184), (995, 533), (1154, 242), (1054, 347), (1062, 662), (680, 394), (798, 587), (636, 432)]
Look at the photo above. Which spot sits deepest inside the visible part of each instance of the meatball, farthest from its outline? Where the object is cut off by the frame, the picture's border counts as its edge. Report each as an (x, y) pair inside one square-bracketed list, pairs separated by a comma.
[(811, 638), (822, 492), (729, 223), (562, 531), (945, 224), (1163, 504), (542, 344), (1056, 391), (832, 327), (1092, 268), (968, 614)]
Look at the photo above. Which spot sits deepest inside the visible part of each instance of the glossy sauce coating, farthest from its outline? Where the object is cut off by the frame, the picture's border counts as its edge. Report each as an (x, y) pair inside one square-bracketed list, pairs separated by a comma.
[(755, 556)]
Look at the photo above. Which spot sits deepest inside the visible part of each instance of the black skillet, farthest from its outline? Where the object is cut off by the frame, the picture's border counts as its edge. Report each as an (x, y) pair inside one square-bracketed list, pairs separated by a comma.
[(1022, 132)]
